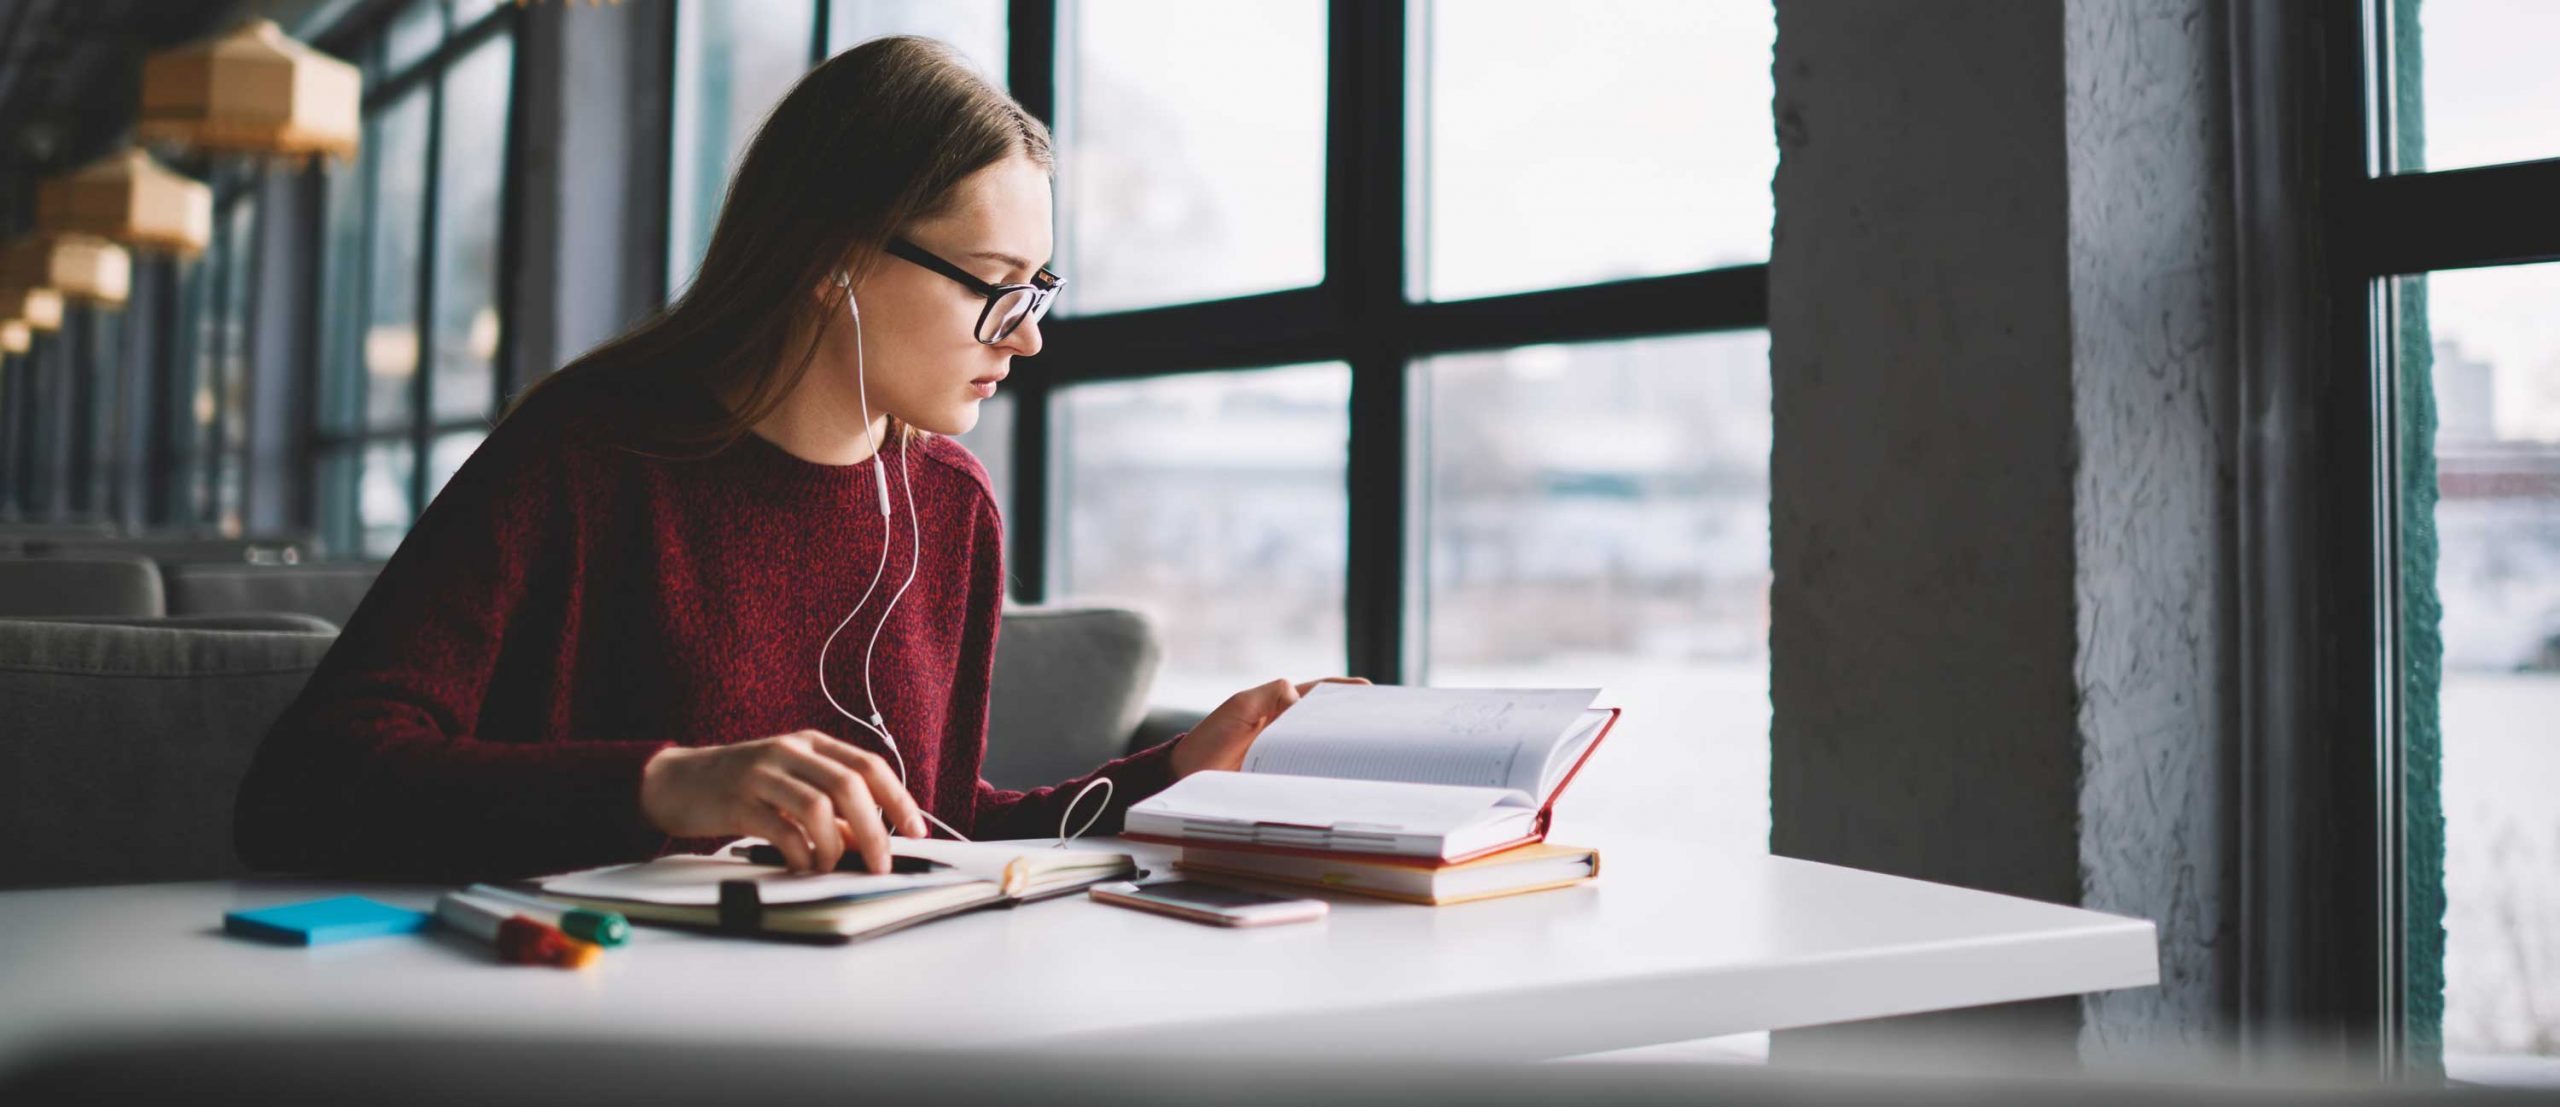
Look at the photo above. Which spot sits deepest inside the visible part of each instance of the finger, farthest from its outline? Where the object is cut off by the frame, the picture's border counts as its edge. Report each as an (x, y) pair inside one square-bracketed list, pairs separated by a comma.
[(767, 820), (1309, 686), (810, 808), (1273, 697), (845, 789), (849, 791), (870, 836), (890, 795)]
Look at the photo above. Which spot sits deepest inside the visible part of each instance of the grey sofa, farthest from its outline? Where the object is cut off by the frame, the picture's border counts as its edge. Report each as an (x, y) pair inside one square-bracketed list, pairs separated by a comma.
[(127, 736), (16, 537), (1070, 690), (275, 550), (124, 743), (328, 590), (115, 586)]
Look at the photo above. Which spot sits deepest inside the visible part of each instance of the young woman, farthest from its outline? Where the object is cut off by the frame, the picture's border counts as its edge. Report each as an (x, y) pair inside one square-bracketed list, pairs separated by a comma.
[(604, 639)]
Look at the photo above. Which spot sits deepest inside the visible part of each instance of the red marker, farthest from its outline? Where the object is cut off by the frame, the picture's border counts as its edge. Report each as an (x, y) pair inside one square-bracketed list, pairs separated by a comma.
[(519, 939)]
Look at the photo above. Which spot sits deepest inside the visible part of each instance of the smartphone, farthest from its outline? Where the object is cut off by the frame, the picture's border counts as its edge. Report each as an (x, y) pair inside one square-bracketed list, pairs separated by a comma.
[(1215, 904)]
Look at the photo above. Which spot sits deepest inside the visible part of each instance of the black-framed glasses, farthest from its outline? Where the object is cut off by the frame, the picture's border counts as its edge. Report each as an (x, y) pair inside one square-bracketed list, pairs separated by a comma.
[(1009, 306)]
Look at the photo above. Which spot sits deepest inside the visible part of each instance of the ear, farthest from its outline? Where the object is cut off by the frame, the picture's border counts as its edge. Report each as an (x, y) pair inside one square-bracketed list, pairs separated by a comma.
[(837, 284)]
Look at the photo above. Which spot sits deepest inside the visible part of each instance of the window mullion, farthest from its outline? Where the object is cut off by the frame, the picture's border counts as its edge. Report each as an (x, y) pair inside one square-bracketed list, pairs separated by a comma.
[(422, 377), (1364, 278), (1031, 63)]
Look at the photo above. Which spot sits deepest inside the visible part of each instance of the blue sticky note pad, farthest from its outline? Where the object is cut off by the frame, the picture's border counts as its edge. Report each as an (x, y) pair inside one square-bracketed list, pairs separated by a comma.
[(322, 921)]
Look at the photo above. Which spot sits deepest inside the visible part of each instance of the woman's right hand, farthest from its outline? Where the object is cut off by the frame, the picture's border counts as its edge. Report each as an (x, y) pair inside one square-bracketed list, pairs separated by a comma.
[(812, 796)]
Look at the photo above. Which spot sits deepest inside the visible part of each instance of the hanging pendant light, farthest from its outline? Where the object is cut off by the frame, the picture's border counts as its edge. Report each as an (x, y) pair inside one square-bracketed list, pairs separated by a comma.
[(38, 308), (132, 199), (15, 337), (79, 266), (252, 90)]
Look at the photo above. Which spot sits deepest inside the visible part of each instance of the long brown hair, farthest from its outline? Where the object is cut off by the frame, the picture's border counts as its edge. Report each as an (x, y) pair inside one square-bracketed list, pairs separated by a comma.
[(869, 141)]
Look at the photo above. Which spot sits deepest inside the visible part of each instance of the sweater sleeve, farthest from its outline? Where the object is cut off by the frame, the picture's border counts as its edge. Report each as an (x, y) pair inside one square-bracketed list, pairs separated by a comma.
[(1039, 812), (375, 770), (1003, 813)]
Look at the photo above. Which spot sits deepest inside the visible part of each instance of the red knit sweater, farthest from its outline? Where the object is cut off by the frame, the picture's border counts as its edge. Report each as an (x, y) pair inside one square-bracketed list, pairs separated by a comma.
[(567, 607)]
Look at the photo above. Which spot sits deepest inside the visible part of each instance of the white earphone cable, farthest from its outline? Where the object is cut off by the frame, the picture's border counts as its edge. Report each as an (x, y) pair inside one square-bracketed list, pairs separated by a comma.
[(880, 572), (915, 557)]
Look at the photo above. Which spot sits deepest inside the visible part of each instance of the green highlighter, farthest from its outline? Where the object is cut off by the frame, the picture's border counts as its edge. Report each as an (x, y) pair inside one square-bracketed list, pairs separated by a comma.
[(604, 928)]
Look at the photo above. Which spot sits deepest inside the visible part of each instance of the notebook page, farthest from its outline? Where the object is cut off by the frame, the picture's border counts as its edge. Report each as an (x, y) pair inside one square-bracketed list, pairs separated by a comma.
[(987, 859), (1561, 760), (1472, 737), (1325, 802)]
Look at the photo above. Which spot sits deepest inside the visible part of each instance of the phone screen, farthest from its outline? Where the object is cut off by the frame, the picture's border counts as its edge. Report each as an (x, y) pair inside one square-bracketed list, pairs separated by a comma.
[(1213, 897)]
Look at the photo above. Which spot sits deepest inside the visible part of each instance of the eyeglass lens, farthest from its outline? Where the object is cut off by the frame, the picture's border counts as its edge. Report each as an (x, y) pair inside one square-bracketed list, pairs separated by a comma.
[(1010, 312)]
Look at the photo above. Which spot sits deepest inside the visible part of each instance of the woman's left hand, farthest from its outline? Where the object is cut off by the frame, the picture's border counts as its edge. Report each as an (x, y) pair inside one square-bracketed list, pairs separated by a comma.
[(1219, 742)]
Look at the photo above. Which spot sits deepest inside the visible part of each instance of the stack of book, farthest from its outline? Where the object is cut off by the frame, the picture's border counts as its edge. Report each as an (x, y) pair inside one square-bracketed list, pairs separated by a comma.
[(1427, 795)]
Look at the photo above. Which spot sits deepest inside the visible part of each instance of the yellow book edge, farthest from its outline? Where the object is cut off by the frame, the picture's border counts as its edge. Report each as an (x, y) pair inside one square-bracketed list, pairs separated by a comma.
[(1399, 897)]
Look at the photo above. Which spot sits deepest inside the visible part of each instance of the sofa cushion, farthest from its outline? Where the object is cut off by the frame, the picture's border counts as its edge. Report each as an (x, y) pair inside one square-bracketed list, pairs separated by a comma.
[(278, 550), (246, 620), (125, 744), (119, 585), (1070, 686), (329, 590)]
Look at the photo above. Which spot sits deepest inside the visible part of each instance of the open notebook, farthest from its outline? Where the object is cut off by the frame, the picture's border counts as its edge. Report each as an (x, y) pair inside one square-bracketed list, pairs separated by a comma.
[(1445, 773), (703, 890)]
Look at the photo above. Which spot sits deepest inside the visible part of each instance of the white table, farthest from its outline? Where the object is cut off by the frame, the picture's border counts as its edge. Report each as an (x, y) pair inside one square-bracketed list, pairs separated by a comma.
[(1669, 945)]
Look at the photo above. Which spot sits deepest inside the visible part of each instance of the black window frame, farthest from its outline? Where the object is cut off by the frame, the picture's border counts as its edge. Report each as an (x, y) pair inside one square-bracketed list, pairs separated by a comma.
[(364, 40), (1359, 315), (233, 313), (2327, 227), (2403, 223)]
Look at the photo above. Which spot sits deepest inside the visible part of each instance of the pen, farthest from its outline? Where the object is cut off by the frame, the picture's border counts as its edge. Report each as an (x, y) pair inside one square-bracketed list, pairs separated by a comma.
[(604, 928), (518, 939)]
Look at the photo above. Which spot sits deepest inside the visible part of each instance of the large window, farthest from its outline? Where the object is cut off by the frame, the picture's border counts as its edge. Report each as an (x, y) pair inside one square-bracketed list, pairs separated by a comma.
[(2449, 266), (1552, 418), (1597, 514), (2486, 95), (736, 58), (222, 397), (1642, 145), (1381, 356), (205, 446), (412, 351), (1213, 501), (1192, 150), (2493, 336)]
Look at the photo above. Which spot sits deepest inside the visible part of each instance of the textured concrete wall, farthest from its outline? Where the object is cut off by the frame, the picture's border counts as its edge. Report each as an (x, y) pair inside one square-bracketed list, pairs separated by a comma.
[(1999, 342), (2152, 367)]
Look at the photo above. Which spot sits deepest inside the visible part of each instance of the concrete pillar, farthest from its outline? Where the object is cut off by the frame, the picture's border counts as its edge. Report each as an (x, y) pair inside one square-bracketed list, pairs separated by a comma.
[(2001, 353)]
